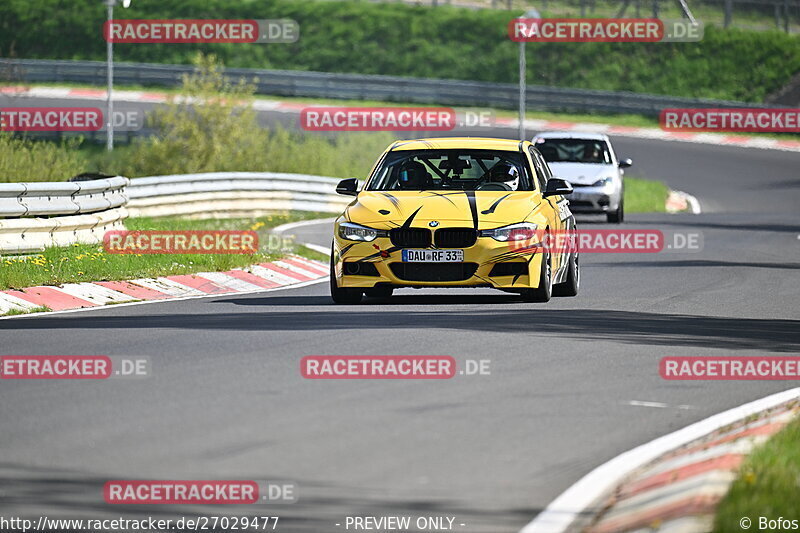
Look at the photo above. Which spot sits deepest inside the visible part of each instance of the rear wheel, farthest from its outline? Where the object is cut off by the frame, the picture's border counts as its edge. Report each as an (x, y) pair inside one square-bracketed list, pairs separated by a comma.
[(545, 289), (343, 295), (570, 286)]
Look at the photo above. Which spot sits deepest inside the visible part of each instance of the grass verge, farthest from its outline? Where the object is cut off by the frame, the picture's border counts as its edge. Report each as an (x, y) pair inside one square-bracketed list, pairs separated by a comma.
[(645, 196), (82, 262), (767, 483), (15, 312)]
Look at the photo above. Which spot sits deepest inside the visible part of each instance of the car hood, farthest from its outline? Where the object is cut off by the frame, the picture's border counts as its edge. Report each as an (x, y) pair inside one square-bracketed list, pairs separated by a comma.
[(481, 209), (582, 173)]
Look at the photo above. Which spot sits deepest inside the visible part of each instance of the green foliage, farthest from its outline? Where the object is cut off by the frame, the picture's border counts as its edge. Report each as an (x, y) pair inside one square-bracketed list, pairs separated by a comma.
[(645, 196), (405, 40), (767, 484), (223, 134), (28, 160)]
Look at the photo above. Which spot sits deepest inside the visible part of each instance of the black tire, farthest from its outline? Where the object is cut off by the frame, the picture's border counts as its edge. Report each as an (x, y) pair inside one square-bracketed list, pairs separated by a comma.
[(618, 216), (379, 292), (346, 296), (571, 285), (545, 289)]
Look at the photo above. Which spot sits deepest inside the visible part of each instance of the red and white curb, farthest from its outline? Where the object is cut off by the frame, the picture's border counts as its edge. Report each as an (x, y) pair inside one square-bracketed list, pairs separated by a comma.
[(290, 271), (663, 475), (680, 491), (679, 201), (744, 141)]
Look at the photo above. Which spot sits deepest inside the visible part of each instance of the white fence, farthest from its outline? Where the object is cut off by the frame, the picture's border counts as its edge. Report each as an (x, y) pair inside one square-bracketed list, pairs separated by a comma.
[(36, 215)]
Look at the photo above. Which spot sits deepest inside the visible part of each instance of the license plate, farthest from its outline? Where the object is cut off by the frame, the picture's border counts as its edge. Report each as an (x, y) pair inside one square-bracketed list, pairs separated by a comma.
[(433, 256)]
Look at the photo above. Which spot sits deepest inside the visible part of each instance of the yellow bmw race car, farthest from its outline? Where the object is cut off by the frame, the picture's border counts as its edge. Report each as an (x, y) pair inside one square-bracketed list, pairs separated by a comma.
[(453, 212)]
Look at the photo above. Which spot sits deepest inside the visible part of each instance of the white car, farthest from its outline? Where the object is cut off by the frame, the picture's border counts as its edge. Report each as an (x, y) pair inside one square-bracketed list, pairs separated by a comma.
[(589, 163)]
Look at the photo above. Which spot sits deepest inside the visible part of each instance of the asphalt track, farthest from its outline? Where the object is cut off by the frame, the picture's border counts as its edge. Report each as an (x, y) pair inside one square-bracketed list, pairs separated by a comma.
[(226, 399)]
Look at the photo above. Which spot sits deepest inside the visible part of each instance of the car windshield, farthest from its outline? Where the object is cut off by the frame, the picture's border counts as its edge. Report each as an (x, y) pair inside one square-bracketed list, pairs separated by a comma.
[(461, 170), (574, 151)]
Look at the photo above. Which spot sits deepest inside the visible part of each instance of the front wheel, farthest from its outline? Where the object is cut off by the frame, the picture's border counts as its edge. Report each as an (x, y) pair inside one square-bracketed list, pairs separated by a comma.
[(545, 289), (343, 295), (618, 216), (570, 286)]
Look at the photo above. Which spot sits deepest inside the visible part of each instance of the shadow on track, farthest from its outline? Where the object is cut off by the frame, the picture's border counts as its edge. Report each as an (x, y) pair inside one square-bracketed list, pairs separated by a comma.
[(316, 313), (60, 493), (704, 263)]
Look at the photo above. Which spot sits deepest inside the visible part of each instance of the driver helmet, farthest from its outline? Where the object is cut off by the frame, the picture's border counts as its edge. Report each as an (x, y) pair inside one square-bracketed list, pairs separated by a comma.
[(413, 176), (505, 173), (592, 154)]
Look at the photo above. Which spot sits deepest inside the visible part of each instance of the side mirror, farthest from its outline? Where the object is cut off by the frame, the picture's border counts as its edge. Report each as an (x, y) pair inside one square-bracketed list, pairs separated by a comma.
[(625, 163), (557, 186), (348, 187)]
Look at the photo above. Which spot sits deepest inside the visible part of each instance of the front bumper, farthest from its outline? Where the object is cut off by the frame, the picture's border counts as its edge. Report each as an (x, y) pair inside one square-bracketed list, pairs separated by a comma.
[(593, 199), (488, 263)]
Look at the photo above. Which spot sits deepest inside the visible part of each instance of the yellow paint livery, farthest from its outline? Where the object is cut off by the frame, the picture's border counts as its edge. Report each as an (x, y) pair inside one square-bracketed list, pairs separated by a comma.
[(377, 266)]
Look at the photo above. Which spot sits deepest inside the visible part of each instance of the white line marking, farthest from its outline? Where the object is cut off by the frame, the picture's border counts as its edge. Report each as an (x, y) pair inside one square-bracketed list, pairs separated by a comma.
[(565, 509), (659, 405), (327, 251), (316, 247), (292, 225)]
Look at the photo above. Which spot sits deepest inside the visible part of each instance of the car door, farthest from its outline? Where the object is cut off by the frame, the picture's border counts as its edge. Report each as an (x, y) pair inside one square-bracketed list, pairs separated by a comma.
[(560, 214)]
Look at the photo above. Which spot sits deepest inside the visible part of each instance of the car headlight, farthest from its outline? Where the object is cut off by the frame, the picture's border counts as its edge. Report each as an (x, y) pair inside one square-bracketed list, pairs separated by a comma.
[(515, 232), (603, 182), (356, 232)]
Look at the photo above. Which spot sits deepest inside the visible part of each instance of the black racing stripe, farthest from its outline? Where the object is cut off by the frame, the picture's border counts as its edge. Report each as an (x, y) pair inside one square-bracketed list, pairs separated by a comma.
[(494, 205), (378, 254), (506, 256), (445, 196), (409, 220), (473, 207), (518, 275), (346, 248), (394, 200)]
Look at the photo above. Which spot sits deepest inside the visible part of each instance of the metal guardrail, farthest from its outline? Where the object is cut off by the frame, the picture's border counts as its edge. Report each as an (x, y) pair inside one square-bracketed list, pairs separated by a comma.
[(38, 215), (233, 194), (367, 87), (61, 198)]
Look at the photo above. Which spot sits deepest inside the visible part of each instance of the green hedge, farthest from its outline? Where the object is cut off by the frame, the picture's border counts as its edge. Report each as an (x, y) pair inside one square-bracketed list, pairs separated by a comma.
[(398, 39)]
